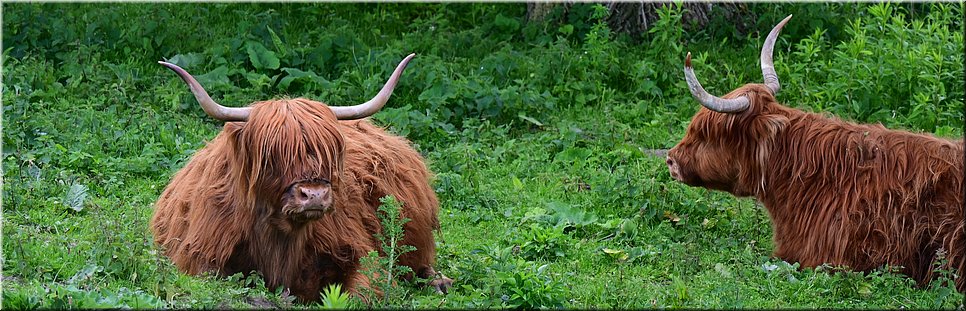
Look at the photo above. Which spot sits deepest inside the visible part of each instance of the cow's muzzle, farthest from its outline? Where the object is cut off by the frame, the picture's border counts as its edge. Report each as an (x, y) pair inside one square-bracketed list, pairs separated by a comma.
[(308, 199), (674, 168)]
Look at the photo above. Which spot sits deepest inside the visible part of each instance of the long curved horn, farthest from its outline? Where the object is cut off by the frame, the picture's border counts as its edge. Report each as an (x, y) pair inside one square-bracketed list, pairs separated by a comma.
[(767, 66), (712, 102), (373, 105), (210, 107)]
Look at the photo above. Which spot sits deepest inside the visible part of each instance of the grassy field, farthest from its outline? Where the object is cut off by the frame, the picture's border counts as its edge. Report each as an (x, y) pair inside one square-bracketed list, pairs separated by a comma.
[(540, 135)]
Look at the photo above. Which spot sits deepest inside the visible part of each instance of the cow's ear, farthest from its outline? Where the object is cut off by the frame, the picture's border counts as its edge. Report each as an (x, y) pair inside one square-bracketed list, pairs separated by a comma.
[(234, 130), (767, 126), (233, 127), (239, 157), (765, 129)]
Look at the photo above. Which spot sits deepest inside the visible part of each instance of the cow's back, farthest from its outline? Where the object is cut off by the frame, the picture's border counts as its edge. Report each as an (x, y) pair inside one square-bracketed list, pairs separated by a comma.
[(377, 164), (881, 196)]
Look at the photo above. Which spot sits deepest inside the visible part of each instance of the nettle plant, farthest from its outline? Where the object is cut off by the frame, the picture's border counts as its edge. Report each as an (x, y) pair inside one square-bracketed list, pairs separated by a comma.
[(864, 77)]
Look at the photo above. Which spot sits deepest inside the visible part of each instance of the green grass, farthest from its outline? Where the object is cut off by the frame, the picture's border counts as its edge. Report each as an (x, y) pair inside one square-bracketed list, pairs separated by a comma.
[(537, 132)]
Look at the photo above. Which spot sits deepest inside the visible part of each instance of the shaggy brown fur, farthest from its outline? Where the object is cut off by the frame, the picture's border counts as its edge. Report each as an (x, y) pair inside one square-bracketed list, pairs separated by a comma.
[(221, 211), (837, 192)]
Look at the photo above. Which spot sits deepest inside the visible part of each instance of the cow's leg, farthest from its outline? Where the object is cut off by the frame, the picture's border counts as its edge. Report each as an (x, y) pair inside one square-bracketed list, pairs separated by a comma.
[(357, 284), (422, 259), (438, 281)]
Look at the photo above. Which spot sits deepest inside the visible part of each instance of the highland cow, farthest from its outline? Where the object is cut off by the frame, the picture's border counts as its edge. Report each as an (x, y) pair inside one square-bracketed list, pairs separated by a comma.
[(838, 193), (290, 189)]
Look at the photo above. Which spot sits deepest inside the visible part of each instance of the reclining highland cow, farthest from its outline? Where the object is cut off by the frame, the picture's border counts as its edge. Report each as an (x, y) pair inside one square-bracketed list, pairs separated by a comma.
[(290, 189), (837, 192)]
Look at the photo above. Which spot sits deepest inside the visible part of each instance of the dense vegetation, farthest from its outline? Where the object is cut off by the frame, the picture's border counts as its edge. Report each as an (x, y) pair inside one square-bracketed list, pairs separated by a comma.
[(539, 134)]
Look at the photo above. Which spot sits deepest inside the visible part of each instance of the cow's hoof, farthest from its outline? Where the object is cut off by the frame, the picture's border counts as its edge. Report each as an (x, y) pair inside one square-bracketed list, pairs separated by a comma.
[(441, 283)]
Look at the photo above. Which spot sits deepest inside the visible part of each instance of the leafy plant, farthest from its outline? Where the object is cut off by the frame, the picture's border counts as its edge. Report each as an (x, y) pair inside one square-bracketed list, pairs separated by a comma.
[(908, 89), (510, 281), (75, 197), (383, 270), (945, 282), (334, 298), (536, 241), (530, 289)]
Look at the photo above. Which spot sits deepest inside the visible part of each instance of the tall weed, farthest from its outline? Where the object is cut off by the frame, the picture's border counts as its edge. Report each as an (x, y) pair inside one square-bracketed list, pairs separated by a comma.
[(901, 72)]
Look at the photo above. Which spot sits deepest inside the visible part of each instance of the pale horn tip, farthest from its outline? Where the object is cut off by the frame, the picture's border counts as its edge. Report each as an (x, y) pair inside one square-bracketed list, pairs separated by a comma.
[(405, 61), (173, 67), (373, 105)]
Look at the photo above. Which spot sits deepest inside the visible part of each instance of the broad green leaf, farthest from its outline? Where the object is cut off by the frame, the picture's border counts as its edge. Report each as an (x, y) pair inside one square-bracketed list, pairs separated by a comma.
[(187, 60), (257, 79), (75, 197), (294, 75), (261, 57), (566, 29), (85, 273), (618, 254), (218, 76)]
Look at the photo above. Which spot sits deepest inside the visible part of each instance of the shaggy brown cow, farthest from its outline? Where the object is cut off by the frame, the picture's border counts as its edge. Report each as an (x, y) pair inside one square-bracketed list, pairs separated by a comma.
[(291, 192), (837, 192)]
